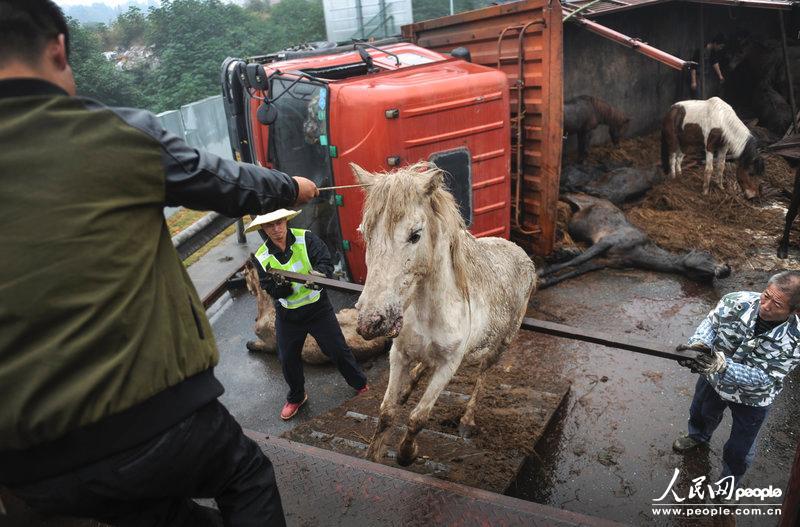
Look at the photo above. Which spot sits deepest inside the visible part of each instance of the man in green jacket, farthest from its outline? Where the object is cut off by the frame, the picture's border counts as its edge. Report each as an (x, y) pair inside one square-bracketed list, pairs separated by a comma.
[(109, 400)]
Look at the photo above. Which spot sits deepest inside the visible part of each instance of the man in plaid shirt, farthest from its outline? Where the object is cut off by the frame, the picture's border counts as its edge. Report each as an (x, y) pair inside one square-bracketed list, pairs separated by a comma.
[(750, 343)]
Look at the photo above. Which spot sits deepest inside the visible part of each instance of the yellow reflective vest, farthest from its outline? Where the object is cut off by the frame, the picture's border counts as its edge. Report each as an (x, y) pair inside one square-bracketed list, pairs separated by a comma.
[(298, 263)]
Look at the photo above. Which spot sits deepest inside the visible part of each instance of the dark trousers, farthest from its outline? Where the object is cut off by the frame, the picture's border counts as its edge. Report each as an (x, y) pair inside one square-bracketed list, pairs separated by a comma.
[(204, 456), (323, 326), (705, 415)]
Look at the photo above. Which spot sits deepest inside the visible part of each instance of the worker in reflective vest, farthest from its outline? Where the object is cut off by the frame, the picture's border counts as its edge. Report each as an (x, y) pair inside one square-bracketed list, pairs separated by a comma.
[(301, 310)]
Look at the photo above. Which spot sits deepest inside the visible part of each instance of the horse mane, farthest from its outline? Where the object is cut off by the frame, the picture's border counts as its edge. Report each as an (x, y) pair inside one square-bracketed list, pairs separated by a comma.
[(391, 195), (606, 113)]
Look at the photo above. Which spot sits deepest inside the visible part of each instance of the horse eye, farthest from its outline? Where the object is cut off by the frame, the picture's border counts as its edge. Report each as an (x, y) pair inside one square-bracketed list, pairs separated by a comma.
[(414, 238)]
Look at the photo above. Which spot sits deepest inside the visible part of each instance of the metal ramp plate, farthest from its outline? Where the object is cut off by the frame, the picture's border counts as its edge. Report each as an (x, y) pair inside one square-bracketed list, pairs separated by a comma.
[(519, 400), (320, 487)]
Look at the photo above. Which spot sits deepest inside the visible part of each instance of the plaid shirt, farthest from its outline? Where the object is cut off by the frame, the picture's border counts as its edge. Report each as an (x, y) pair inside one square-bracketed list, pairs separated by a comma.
[(757, 364)]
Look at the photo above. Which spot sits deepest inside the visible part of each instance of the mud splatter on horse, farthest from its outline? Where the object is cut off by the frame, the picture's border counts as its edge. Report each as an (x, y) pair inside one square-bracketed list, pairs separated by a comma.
[(617, 243), (311, 353), (443, 295), (714, 124), (584, 113)]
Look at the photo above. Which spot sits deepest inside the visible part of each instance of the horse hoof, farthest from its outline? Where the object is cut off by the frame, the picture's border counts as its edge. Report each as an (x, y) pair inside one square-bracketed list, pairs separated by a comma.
[(466, 431), (783, 253), (406, 456), (255, 346)]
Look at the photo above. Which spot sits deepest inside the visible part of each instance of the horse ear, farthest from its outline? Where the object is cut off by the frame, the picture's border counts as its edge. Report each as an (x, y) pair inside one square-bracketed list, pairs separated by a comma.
[(362, 176), (435, 181)]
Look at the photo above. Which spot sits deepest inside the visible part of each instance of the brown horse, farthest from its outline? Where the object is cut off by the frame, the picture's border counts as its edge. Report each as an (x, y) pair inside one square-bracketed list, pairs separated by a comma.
[(584, 113), (713, 124), (789, 149), (311, 353)]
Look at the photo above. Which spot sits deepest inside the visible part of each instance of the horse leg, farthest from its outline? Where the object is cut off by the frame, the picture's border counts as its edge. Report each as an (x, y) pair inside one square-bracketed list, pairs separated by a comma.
[(407, 452), (398, 376), (595, 250), (415, 376), (679, 155), (579, 270), (719, 167), (791, 214), (466, 426), (708, 171), (584, 138)]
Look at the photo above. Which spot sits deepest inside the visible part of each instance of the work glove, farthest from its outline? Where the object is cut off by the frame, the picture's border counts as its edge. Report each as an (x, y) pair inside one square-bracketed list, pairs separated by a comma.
[(311, 284), (706, 362), (699, 347), (712, 363)]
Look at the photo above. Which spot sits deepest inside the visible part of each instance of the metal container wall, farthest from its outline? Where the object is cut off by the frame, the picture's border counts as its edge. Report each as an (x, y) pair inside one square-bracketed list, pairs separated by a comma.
[(521, 36)]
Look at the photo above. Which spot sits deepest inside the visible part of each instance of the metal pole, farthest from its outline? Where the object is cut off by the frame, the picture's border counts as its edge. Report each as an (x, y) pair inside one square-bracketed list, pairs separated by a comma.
[(382, 5), (702, 78), (636, 345), (788, 73), (240, 237), (360, 16), (451, 7)]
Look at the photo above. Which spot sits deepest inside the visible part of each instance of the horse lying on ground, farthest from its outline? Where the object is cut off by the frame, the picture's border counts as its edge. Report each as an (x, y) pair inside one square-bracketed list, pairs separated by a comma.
[(617, 243), (715, 124), (441, 294), (789, 148), (584, 113), (616, 184), (311, 353)]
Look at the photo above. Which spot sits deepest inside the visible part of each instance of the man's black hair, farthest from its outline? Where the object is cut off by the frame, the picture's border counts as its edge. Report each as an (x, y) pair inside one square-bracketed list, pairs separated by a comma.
[(26, 26), (719, 38)]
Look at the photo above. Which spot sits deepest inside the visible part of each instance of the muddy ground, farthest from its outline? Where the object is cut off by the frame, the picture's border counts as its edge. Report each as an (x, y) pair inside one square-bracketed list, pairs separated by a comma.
[(608, 453), (677, 216)]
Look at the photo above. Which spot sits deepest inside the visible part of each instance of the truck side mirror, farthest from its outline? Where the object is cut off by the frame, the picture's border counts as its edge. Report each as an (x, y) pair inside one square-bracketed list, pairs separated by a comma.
[(267, 113)]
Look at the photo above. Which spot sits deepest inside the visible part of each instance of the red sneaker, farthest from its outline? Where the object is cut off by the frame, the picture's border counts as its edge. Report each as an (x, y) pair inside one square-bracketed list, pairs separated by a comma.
[(290, 409), (363, 390)]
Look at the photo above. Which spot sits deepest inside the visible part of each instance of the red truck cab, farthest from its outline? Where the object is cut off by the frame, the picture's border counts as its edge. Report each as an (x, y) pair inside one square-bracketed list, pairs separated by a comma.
[(379, 107)]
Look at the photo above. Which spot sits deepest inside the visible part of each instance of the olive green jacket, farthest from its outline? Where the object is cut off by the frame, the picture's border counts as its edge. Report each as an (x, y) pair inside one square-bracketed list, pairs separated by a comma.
[(103, 338)]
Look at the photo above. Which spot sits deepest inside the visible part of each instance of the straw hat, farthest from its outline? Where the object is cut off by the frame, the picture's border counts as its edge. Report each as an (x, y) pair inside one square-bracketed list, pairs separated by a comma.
[(275, 215)]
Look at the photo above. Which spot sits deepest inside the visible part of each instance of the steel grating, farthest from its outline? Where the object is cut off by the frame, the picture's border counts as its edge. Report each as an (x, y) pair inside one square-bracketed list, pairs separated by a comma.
[(319, 487)]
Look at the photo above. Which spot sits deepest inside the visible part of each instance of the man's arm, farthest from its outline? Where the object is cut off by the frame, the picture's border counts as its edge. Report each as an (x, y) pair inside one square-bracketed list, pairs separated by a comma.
[(706, 332), (203, 181), (754, 377), (318, 254)]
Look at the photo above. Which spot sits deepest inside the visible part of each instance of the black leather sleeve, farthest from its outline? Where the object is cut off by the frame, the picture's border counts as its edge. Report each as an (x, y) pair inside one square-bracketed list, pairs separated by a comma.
[(318, 254), (203, 181)]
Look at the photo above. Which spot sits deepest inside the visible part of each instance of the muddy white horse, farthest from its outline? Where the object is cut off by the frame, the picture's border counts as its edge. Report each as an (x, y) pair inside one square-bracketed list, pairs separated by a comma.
[(714, 124), (443, 295), (311, 352)]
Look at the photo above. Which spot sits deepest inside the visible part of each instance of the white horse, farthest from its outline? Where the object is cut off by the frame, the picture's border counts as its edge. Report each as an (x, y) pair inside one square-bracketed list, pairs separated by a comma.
[(443, 295), (715, 123)]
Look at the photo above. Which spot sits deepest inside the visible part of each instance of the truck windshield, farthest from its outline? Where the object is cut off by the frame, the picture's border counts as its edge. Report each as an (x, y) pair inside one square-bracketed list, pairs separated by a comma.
[(299, 147)]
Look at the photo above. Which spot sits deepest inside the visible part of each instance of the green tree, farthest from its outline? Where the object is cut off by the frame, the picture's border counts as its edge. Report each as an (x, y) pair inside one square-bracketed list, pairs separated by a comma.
[(96, 77), (129, 27)]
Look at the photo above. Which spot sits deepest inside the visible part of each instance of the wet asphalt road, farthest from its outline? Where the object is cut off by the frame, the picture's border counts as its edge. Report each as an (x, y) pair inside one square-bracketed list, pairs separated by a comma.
[(608, 451)]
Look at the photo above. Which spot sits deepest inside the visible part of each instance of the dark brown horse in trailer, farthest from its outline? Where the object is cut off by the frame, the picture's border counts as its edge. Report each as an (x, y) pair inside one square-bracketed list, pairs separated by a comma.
[(789, 149), (584, 113)]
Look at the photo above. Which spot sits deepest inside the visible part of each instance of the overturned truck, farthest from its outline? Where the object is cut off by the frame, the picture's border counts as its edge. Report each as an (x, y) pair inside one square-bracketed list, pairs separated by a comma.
[(489, 116)]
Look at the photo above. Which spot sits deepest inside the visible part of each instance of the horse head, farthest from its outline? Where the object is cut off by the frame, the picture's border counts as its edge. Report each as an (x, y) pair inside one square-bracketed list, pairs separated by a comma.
[(701, 266), (750, 169), (408, 225)]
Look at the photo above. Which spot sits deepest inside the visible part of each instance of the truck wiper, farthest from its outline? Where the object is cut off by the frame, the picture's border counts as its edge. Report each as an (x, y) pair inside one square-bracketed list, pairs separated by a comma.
[(357, 45)]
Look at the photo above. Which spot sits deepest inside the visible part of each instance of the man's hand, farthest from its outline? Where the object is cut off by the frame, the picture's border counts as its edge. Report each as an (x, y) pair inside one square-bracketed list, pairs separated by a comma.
[(306, 190), (699, 347), (713, 363), (706, 362)]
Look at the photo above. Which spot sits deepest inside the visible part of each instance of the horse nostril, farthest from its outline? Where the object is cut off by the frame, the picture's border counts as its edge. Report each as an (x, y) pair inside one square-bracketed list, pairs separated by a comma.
[(376, 320)]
